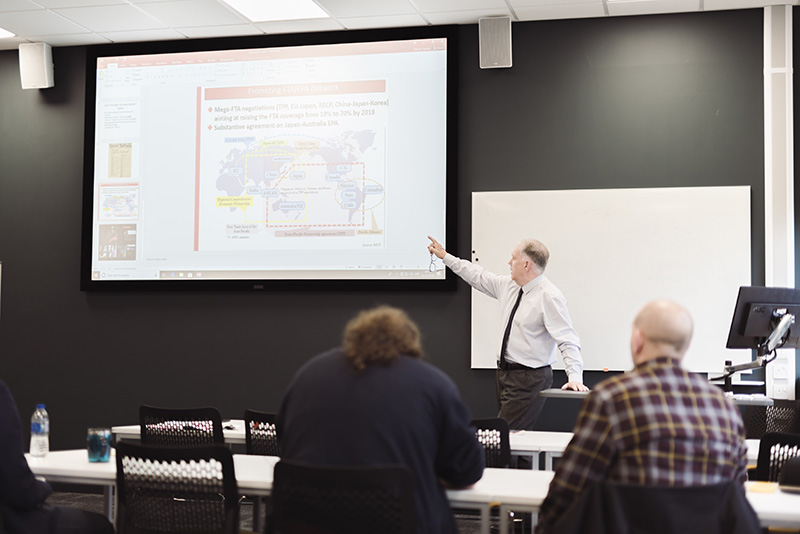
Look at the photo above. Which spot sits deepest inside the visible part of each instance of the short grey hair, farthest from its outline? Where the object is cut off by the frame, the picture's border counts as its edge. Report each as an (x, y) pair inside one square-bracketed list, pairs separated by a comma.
[(537, 252)]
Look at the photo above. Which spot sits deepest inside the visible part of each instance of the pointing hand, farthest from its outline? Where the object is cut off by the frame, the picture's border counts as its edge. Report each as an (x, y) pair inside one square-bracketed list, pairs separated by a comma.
[(436, 248)]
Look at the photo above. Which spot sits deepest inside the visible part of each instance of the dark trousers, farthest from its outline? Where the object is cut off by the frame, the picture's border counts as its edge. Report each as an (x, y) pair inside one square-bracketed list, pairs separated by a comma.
[(518, 399)]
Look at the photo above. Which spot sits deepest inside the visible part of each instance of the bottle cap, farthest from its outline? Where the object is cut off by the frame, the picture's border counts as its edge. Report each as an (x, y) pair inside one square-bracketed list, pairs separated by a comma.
[(40, 406)]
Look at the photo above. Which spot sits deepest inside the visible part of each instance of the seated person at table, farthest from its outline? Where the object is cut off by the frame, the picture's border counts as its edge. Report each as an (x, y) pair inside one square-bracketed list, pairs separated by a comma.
[(22, 496), (374, 401), (657, 425)]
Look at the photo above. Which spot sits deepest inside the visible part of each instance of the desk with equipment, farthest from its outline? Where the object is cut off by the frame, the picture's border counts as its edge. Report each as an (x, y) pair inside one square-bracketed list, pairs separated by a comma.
[(744, 400), (763, 321)]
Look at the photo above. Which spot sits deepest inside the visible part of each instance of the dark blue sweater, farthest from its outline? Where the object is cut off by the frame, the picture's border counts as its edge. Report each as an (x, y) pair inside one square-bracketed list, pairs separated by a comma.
[(407, 413)]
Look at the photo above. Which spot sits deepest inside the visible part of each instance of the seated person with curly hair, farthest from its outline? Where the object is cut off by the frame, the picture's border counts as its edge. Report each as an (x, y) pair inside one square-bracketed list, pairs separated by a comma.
[(374, 401)]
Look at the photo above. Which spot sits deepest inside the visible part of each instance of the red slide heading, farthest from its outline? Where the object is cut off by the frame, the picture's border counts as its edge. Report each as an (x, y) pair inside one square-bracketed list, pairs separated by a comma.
[(297, 89)]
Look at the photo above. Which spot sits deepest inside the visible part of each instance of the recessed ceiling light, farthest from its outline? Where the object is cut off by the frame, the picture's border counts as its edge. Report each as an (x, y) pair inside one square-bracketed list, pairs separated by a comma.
[(5, 33), (270, 10)]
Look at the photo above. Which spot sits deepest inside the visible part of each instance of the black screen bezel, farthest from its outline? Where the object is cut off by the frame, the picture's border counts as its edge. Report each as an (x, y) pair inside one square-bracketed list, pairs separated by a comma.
[(448, 283), (766, 297)]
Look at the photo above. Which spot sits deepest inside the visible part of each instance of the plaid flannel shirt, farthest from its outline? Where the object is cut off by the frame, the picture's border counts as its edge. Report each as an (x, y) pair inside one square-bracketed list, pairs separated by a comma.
[(656, 425)]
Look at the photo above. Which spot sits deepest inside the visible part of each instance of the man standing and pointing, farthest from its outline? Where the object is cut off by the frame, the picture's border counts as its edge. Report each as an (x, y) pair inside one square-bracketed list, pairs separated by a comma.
[(537, 327)]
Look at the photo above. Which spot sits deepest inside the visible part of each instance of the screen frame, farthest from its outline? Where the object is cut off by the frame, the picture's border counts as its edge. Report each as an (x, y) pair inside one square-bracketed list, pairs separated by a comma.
[(448, 283), (747, 332)]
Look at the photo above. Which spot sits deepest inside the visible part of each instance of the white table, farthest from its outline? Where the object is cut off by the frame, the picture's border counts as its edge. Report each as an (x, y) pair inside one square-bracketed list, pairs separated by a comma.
[(510, 489), (74, 467), (253, 473), (232, 430), (552, 444), (744, 400), (518, 490), (775, 508), (523, 443), (752, 450), (531, 443)]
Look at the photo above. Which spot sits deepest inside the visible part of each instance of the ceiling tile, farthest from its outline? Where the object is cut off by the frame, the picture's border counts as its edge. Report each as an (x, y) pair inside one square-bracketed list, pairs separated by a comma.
[(567, 11), (390, 21), (111, 18), (71, 22), (55, 4), (300, 26), (458, 5), (203, 32), (18, 5), (41, 22), (366, 8), (466, 17), (188, 13), (70, 39), (143, 35), (652, 7), (551, 3)]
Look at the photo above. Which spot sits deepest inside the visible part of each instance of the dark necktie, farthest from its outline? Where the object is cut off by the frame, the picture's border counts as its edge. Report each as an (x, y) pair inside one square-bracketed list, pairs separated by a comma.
[(508, 329)]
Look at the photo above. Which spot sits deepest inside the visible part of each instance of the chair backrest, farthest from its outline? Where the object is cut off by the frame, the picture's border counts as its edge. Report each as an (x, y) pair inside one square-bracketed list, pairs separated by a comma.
[(168, 489), (180, 427), (313, 499), (261, 434), (610, 507), (773, 451), (789, 479), (783, 416), (492, 433)]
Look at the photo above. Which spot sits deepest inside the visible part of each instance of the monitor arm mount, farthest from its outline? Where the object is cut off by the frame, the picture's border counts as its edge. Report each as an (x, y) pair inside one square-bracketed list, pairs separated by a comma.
[(775, 340)]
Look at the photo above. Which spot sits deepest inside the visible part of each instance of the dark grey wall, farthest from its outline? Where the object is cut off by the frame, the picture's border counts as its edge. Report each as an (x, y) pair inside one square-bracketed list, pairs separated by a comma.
[(624, 102)]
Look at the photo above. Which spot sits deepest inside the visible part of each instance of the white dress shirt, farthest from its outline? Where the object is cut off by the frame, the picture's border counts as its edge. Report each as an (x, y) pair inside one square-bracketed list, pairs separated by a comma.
[(541, 328)]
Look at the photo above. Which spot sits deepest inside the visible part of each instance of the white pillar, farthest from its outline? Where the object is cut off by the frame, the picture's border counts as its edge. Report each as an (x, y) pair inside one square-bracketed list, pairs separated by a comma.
[(779, 177)]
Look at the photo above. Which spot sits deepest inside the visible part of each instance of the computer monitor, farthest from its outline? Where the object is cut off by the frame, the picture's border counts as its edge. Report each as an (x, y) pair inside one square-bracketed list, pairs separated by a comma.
[(763, 319)]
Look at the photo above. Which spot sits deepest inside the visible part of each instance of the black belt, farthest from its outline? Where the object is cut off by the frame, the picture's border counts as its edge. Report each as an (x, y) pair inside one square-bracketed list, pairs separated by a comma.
[(508, 366)]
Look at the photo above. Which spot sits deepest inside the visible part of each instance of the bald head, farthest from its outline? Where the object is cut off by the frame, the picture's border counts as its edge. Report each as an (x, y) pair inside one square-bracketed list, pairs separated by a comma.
[(661, 328)]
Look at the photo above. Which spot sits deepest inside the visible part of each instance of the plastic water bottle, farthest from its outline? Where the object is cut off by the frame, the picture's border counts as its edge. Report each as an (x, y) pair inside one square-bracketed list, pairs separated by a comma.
[(40, 431)]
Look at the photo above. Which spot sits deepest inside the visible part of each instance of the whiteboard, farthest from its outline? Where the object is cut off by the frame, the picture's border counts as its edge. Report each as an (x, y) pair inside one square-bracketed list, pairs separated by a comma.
[(614, 250)]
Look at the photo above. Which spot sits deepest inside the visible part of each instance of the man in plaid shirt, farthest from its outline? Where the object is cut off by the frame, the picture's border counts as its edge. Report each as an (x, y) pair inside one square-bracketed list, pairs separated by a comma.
[(657, 425)]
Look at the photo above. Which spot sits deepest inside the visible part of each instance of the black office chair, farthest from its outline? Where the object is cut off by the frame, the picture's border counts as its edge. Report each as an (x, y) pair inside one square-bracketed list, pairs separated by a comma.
[(261, 435), (609, 507), (180, 427), (773, 452), (167, 489), (492, 433), (313, 499), (789, 479), (783, 416)]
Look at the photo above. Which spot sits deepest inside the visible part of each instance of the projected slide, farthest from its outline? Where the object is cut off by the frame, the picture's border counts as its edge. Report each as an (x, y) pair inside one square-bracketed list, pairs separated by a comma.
[(306, 162), (310, 166)]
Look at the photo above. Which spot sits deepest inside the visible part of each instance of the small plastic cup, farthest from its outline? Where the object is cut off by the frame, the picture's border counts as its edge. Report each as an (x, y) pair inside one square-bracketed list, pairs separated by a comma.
[(98, 444)]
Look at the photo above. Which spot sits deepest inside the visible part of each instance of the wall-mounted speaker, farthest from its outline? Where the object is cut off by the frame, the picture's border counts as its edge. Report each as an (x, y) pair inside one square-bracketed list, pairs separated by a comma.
[(494, 42), (36, 65)]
